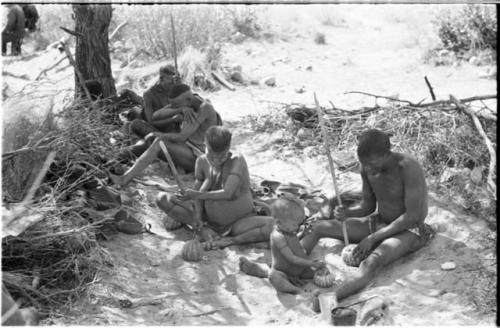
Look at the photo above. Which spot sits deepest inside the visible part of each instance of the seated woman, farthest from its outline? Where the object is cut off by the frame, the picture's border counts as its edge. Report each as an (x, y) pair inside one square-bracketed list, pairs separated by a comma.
[(220, 200)]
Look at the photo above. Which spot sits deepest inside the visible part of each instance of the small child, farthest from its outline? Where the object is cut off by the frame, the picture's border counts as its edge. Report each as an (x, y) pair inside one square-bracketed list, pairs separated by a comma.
[(289, 259)]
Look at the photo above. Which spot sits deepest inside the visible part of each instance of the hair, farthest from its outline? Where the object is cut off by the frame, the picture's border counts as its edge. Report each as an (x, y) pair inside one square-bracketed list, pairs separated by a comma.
[(373, 142), (167, 70), (218, 138), (177, 90), (287, 206)]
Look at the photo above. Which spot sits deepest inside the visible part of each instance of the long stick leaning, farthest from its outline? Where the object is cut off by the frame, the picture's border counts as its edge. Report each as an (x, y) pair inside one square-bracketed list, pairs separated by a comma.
[(330, 163), (171, 164), (173, 43)]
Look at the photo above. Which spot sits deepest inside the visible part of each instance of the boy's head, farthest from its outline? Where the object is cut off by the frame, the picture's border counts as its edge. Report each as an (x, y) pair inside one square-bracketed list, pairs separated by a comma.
[(373, 150), (218, 142), (288, 211), (180, 95)]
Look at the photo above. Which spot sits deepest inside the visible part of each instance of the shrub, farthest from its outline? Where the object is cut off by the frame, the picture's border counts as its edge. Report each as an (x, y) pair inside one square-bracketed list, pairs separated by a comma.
[(320, 38), (472, 28)]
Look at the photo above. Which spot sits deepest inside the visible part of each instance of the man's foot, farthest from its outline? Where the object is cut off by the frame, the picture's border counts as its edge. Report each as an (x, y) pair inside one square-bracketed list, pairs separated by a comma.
[(217, 244), (253, 269)]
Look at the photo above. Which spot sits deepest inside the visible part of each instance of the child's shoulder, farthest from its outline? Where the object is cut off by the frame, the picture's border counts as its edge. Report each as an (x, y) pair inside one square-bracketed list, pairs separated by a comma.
[(278, 238)]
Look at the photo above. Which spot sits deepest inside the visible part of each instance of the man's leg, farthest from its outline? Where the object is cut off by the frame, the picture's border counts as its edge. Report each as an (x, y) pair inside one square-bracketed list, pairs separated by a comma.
[(141, 128), (357, 229), (140, 164), (388, 251), (181, 154), (251, 229), (178, 210)]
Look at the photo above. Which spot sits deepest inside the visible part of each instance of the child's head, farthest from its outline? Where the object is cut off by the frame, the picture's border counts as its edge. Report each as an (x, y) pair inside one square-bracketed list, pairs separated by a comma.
[(288, 211), (218, 141)]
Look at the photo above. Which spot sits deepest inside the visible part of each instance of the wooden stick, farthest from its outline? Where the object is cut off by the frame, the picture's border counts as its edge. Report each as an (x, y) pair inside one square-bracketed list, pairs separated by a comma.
[(330, 163), (117, 29), (78, 73), (171, 164), (487, 141), (430, 88), (173, 43)]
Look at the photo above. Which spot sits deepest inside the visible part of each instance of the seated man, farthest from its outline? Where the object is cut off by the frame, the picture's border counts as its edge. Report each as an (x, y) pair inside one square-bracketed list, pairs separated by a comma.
[(393, 183), (220, 201), (156, 114), (184, 146), (13, 32)]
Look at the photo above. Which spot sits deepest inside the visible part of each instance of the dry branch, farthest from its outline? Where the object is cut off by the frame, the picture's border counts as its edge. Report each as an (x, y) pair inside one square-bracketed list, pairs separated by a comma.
[(117, 29), (78, 73), (433, 96), (74, 33), (487, 141), (7, 73), (49, 68)]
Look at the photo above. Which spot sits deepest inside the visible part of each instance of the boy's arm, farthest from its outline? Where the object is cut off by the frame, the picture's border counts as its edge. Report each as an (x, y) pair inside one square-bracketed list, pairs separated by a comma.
[(189, 127), (415, 191), (367, 205), (280, 242)]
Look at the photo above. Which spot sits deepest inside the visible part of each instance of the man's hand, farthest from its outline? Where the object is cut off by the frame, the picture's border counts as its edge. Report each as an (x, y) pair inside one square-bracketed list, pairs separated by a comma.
[(150, 137), (189, 115), (188, 194), (364, 247), (318, 264), (340, 213)]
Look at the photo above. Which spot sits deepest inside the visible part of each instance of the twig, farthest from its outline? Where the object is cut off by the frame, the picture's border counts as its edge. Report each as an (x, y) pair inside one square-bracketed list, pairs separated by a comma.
[(173, 43), (330, 163), (74, 33), (69, 232), (49, 68), (487, 141), (383, 97), (207, 313), (117, 29), (430, 88), (24, 76)]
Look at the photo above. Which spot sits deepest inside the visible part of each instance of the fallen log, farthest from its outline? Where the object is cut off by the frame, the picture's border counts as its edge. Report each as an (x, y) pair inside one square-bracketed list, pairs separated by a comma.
[(223, 81)]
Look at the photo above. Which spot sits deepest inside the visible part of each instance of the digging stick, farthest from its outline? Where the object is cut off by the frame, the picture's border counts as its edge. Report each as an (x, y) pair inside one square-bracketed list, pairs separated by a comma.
[(171, 164), (330, 163), (173, 43)]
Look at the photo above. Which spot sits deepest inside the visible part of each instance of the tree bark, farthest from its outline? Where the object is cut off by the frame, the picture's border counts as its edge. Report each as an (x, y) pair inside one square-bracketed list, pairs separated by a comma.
[(92, 51)]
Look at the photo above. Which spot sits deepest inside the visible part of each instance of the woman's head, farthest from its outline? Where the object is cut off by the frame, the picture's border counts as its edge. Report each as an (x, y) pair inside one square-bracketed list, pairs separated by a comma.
[(218, 142)]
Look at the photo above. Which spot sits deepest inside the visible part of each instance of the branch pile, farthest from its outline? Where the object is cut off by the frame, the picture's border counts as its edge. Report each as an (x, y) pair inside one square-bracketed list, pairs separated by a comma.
[(51, 259)]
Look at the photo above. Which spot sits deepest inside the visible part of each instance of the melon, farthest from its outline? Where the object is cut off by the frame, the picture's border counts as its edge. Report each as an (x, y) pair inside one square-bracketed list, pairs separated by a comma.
[(349, 258), (192, 251), (171, 224), (323, 278)]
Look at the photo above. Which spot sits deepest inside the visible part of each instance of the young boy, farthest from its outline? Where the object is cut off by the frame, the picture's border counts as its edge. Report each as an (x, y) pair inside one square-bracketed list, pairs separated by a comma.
[(289, 259)]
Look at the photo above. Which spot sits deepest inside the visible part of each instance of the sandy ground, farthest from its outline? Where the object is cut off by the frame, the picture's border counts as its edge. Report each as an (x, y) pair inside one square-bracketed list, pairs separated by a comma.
[(376, 54)]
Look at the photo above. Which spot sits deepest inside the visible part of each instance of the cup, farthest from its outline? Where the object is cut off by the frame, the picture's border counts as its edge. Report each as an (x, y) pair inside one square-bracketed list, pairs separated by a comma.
[(327, 302)]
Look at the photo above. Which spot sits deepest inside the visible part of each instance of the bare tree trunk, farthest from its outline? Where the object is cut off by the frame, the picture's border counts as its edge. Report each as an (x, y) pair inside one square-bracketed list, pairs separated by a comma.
[(92, 51)]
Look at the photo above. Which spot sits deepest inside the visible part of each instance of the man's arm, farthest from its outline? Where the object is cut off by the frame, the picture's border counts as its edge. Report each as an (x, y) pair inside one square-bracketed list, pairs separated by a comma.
[(415, 191), (188, 128), (367, 205), (11, 21), (230, 186), (148, 107)]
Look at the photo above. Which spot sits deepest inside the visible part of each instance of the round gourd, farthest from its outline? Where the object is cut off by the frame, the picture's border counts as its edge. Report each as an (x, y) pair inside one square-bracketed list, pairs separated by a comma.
[(171, 224), (349, 258), (192, 251), (323, 278)]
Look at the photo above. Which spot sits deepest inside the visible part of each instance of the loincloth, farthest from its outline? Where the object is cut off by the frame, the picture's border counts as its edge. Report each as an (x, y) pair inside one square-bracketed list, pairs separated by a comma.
[(420, 229), (223, 230)]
